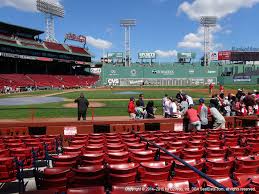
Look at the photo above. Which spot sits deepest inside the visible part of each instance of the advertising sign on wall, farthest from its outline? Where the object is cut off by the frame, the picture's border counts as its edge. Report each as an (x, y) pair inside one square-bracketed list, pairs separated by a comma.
[(146, 55), (96, 71), (214, 56), (186, 55), (69, 131), (224, 55), (115, 55)]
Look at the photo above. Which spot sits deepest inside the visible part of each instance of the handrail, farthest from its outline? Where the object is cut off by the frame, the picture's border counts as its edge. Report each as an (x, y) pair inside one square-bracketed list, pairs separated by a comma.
[(203, 175)]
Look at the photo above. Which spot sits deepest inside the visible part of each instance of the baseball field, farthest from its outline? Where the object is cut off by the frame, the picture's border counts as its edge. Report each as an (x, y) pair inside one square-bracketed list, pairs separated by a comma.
[(103, 101)]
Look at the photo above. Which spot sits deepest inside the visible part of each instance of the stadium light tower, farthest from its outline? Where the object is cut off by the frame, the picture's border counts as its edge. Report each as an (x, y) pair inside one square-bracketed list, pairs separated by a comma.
[(50, 10), (207, 22), (127, 24)]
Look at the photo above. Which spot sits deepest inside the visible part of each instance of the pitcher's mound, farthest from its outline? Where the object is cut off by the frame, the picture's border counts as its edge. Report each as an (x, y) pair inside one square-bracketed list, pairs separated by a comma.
[(91, 104)]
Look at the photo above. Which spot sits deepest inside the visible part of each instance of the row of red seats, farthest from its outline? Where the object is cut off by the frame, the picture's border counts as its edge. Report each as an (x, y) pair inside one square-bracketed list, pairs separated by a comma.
[(150, 173), (41, 80)]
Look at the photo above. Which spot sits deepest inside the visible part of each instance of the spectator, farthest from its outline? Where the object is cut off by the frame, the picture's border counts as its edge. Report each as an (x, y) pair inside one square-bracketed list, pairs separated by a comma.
[(211, 86), (219, 120), (141, 100), (139, 110), (221, 88), (179, 96), (173, 108), (183, 106), (194, 121), (226, 107), (189, 100), (163, 103), (82, 106), (203, 113), (131, 108), (150, 110), (167, 108), (239, 94)]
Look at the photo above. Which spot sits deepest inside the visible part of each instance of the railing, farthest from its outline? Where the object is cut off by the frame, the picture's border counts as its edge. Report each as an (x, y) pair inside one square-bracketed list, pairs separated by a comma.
[(203, 175)]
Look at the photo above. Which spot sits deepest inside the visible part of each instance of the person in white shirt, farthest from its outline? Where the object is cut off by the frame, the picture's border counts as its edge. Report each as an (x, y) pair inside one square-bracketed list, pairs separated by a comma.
[(167, 108), (189, 100), (163, 103), (173, 108)]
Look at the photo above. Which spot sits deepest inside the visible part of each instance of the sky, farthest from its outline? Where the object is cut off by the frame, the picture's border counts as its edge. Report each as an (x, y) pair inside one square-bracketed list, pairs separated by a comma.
[(163, 26)]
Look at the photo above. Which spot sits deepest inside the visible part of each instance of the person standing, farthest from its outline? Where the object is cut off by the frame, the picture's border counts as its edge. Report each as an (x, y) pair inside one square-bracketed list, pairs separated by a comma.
[(141, 100), (173, 108), (219, 120), (131, 108), (139, 110), (82, 106), (194, 121), (150, 110), (211, 86), (221, 88), (203, 113), (163, 103)]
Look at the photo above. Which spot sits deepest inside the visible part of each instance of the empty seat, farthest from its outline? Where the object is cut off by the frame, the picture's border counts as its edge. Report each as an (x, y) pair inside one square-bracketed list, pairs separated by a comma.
[(65, 161), (142, 156), (7, 169), (122, 173), (225, 181), (92, 159), (52, 178), (156, 170), (86, 190), (93, 175), (175, 187)]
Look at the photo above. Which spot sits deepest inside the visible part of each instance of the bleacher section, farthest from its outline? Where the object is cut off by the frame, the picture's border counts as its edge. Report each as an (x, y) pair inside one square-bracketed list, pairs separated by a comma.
[(107, 163), (78, 50), (30, 42), (55, 46), (41, 80), (7, 39)]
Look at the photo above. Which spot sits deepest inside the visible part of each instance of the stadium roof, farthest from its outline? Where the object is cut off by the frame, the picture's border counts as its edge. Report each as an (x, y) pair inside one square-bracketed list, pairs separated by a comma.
[(14, 29)]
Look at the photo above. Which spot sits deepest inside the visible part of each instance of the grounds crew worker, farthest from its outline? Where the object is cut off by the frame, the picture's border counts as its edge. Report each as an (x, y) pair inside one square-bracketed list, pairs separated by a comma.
[(82, 105)]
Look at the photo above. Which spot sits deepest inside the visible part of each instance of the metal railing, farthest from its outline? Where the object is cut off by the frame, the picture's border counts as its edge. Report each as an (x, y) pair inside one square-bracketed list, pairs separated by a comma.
[(203, 175)]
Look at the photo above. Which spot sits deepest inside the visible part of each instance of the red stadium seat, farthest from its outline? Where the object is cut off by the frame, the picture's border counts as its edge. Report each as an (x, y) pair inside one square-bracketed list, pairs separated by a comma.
[(87, 190), (225, 181), (152, 171), (92, 159), (65, 161), (93, 175), (122, 173), (175, 187), (73, 150), (142, 156), (52, 178), (7, 169)]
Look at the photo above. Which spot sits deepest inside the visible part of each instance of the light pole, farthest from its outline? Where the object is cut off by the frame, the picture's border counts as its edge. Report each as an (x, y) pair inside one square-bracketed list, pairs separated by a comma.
[(127, 24), (207, 22)]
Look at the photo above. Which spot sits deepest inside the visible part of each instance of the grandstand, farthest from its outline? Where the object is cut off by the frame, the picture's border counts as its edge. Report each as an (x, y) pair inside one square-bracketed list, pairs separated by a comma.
[(128, 156), (30, 62)]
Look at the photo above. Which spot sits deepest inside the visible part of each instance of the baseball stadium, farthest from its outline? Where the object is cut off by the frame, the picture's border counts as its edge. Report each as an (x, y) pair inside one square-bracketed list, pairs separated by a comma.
[(143, 128)]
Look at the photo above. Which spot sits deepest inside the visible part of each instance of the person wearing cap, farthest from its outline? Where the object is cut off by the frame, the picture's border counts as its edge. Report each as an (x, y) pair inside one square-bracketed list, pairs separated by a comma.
[(194, 121), (218, 120), (82, 106), (203, 113), (131, 108)]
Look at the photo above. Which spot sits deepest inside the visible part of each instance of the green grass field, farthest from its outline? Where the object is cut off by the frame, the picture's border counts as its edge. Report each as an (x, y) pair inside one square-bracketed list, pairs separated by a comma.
[(114, 104)]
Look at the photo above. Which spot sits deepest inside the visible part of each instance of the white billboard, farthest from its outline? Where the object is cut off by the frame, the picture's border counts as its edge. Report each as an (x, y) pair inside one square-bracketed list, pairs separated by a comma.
[(214, 56), (147, 55), (96, 71)]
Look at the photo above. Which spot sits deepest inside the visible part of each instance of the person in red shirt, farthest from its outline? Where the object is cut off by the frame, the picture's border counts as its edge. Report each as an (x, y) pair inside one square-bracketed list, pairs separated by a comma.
[(194, 120), (131, 108), (221, 88), (211, 86)]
